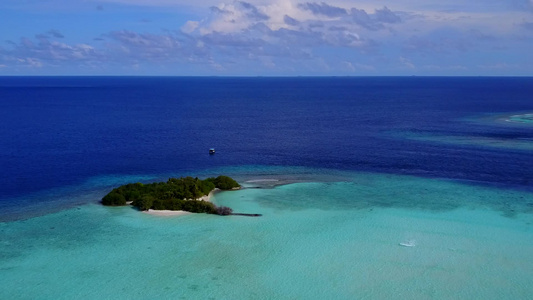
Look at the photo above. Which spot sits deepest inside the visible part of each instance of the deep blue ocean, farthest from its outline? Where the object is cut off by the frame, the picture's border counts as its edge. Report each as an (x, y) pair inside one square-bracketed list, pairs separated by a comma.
[(58, 133)]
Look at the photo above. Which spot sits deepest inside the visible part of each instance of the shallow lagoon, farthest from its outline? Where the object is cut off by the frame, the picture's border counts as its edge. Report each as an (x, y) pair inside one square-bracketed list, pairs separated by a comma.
[(321, 239)]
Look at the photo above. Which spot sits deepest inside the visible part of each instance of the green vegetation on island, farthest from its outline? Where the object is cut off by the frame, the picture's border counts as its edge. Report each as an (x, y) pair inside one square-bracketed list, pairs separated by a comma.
[(175, 194)]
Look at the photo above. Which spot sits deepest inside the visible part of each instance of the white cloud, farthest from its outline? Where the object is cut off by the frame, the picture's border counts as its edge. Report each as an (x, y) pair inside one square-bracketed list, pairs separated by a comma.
[(33, 62), (352, 36), (190, 26), (407, 63), (348, 65)]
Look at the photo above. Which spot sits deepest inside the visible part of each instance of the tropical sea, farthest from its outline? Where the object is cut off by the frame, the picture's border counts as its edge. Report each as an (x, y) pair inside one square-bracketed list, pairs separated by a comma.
[(369, 187)]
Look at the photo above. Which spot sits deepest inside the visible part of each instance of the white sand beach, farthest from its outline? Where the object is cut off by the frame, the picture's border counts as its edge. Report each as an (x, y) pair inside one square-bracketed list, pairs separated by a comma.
[(173, 213), (208, 197), (166, 213)]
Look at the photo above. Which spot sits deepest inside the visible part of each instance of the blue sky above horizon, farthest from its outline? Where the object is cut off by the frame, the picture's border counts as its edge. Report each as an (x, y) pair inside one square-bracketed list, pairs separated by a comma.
[(260, 37)]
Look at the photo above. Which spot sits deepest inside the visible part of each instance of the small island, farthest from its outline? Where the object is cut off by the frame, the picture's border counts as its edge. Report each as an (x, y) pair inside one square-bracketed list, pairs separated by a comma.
[(177, 194)]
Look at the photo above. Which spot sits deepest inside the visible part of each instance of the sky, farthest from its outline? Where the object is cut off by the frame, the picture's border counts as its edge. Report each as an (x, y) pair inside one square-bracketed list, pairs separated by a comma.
[(266, 37)]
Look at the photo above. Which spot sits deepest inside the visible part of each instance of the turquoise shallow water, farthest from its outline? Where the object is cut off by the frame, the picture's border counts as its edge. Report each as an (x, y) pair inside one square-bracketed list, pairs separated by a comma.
[(523, 118), (331, 239)]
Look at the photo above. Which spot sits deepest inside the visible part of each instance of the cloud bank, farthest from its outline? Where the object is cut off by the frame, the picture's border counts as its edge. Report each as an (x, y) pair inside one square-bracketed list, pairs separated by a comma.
[(291, 37)]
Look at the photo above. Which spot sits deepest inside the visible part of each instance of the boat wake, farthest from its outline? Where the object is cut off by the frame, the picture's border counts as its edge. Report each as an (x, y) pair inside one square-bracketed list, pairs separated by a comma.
[(410, 243)]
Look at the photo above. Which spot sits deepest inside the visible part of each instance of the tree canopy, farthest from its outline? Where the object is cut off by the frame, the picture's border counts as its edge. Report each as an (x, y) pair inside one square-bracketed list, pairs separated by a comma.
[(175, 194)]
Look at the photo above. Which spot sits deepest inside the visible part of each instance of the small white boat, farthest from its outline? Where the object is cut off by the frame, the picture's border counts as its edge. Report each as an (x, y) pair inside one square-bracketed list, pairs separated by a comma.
[(212, 151)]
